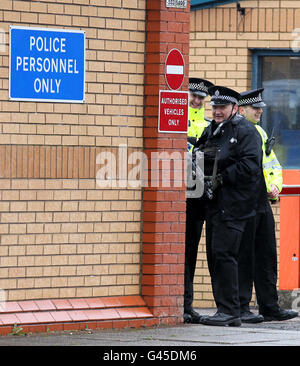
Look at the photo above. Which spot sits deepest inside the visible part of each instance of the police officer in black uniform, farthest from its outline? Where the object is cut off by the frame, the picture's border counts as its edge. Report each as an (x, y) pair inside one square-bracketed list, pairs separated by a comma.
[(194, 206), (232, 168), (258, 258)]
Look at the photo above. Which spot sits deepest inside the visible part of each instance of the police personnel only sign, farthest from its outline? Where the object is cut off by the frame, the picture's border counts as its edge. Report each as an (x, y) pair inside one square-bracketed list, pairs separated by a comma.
[(47, 65)]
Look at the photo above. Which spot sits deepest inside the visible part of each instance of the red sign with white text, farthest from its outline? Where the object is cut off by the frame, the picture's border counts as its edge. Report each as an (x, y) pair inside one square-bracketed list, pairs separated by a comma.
[(173, 111)]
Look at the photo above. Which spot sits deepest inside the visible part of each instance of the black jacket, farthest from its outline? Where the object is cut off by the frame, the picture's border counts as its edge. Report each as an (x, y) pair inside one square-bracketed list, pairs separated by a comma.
[(239, 162)]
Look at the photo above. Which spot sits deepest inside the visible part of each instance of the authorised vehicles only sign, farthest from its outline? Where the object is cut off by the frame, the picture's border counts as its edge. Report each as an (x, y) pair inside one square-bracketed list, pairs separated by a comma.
[(173, 111)]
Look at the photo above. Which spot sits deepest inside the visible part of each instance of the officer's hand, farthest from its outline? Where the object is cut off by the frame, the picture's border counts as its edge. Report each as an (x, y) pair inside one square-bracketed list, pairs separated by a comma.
[(274, 192), (218, 181), (214, 183), (210, 184), (208, 187)]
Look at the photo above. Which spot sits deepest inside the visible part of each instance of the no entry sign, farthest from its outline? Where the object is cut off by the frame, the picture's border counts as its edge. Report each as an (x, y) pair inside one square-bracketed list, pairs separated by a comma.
[(173, 111), (174, 69)]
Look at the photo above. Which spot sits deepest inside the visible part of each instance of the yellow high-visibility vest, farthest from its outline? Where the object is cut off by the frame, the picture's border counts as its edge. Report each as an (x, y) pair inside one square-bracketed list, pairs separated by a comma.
[(271, 166), (197, 122)]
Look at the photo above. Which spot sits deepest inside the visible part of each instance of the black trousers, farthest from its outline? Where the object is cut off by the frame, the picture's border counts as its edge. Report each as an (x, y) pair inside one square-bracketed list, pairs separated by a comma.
[(258, 263), (222, 248), (194, 223)]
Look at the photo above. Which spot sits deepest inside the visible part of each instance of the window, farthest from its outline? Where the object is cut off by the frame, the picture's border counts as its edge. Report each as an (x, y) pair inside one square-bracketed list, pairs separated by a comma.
[(278, 72)]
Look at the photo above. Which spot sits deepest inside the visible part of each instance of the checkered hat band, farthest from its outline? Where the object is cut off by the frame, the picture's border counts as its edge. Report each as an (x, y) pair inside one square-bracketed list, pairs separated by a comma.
[(249, 101), (225, 97), (200, 87)]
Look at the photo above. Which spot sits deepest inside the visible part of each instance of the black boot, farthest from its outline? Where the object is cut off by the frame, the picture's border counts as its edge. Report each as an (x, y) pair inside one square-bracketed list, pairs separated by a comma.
[(249, 317), (221, 319), (280, 314), (191, 316)]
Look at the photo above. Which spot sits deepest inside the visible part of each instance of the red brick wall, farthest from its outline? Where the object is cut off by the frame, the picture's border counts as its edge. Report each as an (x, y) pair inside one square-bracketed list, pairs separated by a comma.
[(164, 207)]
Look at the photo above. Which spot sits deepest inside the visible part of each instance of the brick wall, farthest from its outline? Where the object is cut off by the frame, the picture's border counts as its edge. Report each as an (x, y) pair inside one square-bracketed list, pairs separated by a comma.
[(220, 40), (62, 234), (164, 207)]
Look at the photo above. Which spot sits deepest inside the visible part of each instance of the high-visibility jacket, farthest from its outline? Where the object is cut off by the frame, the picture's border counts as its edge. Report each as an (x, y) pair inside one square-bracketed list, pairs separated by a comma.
[(271, 166), (197, 122)]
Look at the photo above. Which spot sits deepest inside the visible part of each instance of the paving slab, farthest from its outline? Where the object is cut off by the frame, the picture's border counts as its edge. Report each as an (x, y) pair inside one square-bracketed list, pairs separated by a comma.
[(285, 333)]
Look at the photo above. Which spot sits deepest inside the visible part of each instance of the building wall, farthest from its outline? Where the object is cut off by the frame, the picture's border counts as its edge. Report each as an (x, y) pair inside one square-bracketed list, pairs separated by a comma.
[(164, 200), (220, 40), (63, 234)]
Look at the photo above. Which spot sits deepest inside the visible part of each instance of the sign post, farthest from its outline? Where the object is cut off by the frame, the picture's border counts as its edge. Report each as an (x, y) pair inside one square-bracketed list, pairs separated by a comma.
[(47, 65)]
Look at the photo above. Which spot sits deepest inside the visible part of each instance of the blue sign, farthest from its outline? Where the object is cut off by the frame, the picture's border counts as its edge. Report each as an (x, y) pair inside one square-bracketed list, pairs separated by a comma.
[(47, 65)]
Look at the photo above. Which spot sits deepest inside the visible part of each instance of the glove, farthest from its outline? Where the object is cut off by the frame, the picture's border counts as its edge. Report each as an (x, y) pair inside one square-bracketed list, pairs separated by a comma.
[(214, 183), (210, 185), (208, 189)]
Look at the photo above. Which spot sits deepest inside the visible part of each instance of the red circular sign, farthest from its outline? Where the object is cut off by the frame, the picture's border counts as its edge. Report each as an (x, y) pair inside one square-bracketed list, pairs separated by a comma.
[(174, 69)]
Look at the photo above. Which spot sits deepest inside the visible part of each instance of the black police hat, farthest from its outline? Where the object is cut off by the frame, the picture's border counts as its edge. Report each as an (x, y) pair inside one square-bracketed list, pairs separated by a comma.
[(253, 98), (199, 86), (220, 95)]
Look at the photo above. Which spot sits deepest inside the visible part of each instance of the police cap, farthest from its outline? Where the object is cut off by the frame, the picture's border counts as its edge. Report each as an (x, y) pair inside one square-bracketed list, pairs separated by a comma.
[(253, 98), (199, 86), (220, 95)]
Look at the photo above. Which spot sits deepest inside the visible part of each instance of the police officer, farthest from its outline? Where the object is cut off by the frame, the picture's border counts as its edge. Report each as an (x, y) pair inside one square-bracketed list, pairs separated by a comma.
[(264, 268), (232, 167), (198, 90)]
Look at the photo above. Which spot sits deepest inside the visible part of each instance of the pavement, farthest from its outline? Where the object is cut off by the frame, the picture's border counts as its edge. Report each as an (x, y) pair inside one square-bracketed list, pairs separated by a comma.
[(192, 336)]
